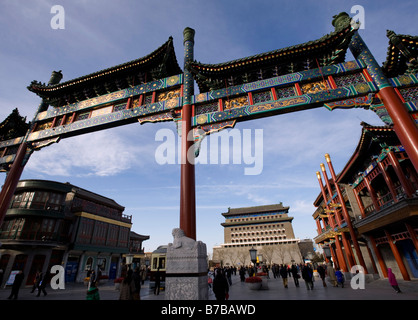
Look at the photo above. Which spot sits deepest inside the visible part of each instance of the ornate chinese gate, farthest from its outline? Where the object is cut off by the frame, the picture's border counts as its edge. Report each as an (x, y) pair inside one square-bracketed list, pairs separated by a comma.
[(154, 88)]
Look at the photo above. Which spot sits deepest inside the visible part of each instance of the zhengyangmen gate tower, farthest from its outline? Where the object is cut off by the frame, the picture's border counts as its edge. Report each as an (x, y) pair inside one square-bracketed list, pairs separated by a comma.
[(155, 88)]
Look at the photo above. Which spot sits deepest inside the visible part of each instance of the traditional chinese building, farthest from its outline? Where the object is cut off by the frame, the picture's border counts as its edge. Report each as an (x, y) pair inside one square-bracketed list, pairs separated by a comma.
[(378, 188), (267, 228), (52, 223), (367, 215)]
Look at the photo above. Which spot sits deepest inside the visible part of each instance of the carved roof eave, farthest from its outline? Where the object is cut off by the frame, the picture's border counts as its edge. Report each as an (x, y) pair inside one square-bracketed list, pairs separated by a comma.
[(397, 62), (360, 153), (164, 54), (333, 43)]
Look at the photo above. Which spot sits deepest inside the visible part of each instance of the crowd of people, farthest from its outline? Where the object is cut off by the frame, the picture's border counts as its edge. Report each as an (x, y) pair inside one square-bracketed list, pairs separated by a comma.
[(220, 279)]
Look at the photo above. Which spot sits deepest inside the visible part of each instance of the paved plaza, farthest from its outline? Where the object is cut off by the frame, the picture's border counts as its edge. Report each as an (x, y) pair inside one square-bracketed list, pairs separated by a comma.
[(375, 290)]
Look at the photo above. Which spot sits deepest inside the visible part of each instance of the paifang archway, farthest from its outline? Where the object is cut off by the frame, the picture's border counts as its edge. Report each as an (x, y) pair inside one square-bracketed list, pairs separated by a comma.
[(154, 88)]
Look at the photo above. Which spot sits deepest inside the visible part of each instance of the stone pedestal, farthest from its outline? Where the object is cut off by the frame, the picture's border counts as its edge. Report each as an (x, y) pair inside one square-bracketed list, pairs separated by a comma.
[(187, 269)]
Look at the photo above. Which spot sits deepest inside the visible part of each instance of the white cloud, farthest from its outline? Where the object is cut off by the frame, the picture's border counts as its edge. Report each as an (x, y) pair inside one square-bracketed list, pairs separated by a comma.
[(104, 153)]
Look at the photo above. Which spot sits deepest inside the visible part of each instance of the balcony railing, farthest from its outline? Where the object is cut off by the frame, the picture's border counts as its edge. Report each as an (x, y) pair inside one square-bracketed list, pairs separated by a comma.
[(34, 236)]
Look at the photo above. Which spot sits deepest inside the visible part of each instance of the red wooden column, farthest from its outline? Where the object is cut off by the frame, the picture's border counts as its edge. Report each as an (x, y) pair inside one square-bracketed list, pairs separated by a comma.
[(413, 235), (360, 203), (12, 180), (347, 217), (336, 214), (379, 257), (401, 176), (388, 181), (340, 254), (397, 256), (187, 175), (19, 162), (372, 194)]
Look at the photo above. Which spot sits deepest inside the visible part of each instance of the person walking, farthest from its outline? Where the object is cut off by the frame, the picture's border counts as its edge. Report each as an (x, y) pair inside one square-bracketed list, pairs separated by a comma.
[(307, 275), (392, 281), (36, 282), (283, 273), (127, 287), (321, 271), (137, 281), (220, 286), (157, 282), (340, 277), (295, 274), (16, 285), (42, 284), (242, 274), (143, 275), (331, 274)]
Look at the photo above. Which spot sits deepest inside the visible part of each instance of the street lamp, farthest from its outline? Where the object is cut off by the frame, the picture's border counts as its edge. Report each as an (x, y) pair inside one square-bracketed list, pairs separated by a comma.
[(129, 259), (253, 255)]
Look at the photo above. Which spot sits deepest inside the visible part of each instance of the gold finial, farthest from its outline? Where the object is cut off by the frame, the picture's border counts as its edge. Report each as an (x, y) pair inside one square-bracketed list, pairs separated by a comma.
[(327, 157), (318, 175), (322, 167)]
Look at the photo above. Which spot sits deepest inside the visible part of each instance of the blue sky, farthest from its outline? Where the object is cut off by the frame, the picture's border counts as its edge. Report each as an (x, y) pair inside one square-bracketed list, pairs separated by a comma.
[(121, 164)]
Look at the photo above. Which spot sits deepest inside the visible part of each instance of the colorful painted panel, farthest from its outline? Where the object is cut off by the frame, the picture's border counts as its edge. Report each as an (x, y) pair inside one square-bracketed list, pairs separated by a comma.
[(281, 81), (279, 106), (114, 96), (106, 120)]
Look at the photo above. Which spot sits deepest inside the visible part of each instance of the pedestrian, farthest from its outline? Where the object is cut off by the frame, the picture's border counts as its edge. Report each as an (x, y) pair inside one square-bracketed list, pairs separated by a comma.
[(340, 277), (307, 275), (242, 274), (127, 287), (93, 278), (228, 275), (137, 281), (321, 271), (220, 285), (331, 274), (42, 284), (295, 275), (36, 282), (157, 282), (283, 273), (93, 293), (392, 281), (143, 275), (16, 285)]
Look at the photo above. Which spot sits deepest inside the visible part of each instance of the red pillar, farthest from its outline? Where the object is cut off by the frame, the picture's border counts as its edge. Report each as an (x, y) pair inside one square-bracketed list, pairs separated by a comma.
[(399, 172), (187, 175), (347, 217), (360, 203), (397, 256), (340, 255), (388, 181), (324, 195), (336, 214), (372, 194), (403, 124), (11, 181), (379, 257), (413, 235)]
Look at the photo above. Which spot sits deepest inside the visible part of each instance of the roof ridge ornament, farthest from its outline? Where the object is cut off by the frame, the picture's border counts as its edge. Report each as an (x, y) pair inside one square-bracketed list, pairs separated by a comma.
[(342, 21)]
